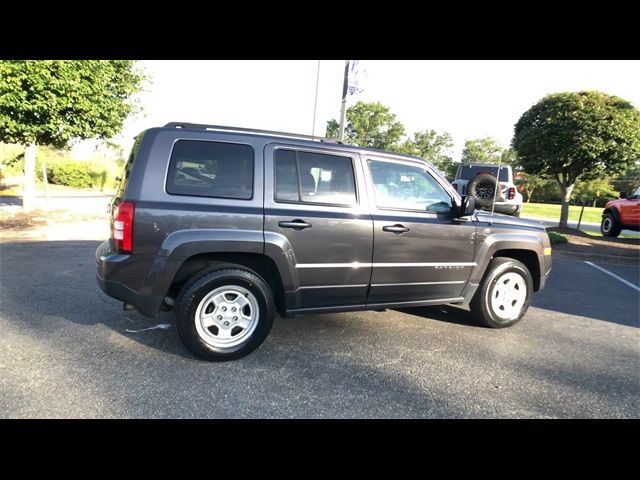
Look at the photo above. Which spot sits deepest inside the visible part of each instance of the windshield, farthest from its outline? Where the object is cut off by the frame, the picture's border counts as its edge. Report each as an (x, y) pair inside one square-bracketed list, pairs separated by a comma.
[(467, 172)]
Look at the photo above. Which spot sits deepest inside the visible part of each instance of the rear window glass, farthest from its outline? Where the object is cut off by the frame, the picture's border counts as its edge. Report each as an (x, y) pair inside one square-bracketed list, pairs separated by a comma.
[(123, 178), (467, 172), (211, 169)]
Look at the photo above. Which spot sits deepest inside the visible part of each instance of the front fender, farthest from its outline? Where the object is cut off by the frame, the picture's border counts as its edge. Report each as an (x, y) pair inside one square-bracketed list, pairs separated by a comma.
[(494, 242), (612, 211)]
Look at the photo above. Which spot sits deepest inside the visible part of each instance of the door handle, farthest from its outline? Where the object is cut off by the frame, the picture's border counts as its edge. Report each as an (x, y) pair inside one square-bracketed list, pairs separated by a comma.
[(296, 224), (397, 228)]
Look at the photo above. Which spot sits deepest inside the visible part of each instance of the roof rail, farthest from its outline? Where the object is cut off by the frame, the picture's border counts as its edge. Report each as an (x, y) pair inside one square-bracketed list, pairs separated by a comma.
[(201, 126)]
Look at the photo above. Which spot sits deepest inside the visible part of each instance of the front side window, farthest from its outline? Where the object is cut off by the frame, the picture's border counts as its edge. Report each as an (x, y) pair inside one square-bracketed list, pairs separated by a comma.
[(211, 169), (314, 178), (405, 187)]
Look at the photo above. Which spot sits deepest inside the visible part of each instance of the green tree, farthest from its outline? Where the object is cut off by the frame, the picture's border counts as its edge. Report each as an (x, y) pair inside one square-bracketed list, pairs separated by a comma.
[(577, 135), (629, 180), (482, 150), (369, 125), (436, 148), (529, 183), (594, 190), (433, 147), (55, 101)]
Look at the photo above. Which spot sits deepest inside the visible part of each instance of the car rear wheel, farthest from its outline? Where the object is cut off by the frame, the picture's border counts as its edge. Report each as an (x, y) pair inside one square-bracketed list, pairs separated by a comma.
[(609, 227), (504, 294), (224, 314)]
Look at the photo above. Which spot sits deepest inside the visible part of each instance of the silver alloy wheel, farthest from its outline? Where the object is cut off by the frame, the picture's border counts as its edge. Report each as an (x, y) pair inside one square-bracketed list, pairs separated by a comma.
[(227, 316), (606, 224), (508, 295)]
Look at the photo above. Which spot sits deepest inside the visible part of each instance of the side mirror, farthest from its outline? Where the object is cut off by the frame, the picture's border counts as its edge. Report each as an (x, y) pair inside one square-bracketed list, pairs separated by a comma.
[(467, 207), (623, 195)]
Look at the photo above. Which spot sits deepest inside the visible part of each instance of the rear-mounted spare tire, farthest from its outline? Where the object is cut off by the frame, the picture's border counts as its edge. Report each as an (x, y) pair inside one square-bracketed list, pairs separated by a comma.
[(482, 188)]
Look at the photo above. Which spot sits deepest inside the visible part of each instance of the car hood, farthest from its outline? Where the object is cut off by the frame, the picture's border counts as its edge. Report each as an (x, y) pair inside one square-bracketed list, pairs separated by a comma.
[(612, 203), (502, 219)]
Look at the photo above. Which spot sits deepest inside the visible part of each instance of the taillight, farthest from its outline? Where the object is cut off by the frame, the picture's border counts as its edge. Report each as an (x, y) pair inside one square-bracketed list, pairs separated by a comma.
[(512, 193), (123, 227)]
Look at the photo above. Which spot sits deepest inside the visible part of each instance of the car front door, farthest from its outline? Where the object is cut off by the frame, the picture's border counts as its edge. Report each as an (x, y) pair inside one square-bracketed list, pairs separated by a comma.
[(316, 214), (420, 252), (630, 210)]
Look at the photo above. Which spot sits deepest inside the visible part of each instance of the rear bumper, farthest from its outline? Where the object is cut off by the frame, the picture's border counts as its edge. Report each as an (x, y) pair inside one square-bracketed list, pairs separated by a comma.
[(505, 208), (109, 264), (144, 304)]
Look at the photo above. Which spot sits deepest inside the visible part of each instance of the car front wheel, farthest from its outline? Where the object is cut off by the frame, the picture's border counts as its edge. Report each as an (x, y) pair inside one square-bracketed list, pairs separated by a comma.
[(504, 294), (609, 227)]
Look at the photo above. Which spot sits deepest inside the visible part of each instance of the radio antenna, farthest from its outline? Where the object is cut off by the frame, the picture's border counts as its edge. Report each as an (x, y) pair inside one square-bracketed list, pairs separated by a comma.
[(495, 191)]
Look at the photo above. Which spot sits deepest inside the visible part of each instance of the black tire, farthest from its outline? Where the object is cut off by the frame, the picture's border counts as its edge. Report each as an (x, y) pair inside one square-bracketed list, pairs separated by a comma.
[(482, 188), (609, 227), (481, 305), (195, 290)]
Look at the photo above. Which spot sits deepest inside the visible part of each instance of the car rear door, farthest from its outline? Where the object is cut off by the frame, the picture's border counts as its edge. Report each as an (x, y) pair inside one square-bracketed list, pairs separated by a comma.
[(316, 210), (420, 252)]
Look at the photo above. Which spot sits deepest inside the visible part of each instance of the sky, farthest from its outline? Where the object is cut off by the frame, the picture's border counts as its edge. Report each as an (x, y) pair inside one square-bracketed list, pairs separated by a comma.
[(469, 99)]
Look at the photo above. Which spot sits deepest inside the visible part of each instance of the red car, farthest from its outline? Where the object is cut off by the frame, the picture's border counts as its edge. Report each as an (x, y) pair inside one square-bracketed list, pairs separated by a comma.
[(621, 214)]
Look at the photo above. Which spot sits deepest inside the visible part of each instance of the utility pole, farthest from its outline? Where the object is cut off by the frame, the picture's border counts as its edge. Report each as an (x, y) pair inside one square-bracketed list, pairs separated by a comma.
[(315, 105), (344, 100)]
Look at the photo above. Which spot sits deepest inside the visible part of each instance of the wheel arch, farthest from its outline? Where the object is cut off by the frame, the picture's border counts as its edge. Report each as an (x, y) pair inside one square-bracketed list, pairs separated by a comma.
[(612, 211), (261, 264), (526, 248), (528, 257)]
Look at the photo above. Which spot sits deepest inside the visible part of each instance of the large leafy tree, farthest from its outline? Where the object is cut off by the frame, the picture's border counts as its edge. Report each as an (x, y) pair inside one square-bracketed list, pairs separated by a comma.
[(436, 148), (482, 150), (577, 135), (369, 125), (629, 180), (52, 102), (594, 190), (529, 183)]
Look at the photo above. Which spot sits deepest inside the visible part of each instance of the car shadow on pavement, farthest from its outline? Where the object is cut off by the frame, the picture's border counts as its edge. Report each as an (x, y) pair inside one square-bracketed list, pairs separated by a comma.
[(444, 313)]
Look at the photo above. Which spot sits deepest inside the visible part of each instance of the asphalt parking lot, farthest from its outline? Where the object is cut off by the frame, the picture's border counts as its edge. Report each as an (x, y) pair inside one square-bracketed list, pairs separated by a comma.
[(66, 350)]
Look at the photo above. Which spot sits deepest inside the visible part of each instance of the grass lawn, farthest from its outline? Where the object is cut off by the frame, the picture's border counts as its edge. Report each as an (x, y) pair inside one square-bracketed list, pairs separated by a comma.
[(545, 210)]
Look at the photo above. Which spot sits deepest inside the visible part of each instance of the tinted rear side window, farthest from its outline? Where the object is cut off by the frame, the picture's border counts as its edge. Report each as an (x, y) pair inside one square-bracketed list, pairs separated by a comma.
[(314, 178), (211, 169)]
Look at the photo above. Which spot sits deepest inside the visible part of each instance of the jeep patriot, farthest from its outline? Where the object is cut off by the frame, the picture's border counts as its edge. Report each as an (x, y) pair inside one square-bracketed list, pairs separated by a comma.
[(227, 226)]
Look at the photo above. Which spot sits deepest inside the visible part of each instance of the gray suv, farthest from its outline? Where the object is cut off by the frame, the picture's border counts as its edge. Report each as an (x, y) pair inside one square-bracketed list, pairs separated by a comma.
[(227, 226)]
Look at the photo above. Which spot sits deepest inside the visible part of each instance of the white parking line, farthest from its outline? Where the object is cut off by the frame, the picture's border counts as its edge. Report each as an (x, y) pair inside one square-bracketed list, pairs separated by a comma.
[(635, 287)]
